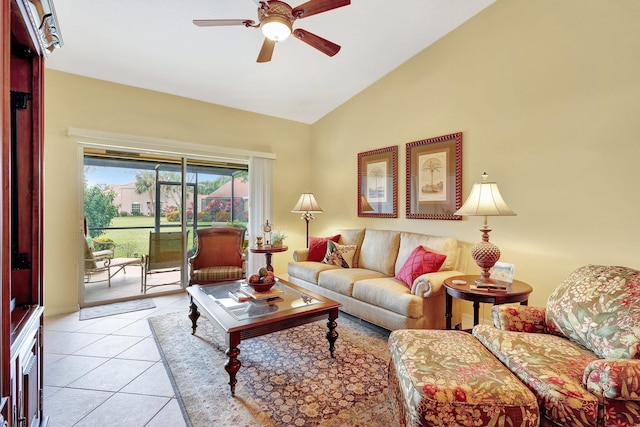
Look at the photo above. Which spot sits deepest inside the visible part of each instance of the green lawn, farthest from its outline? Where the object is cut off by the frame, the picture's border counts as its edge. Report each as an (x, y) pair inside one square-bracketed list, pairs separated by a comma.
[(135, 242)]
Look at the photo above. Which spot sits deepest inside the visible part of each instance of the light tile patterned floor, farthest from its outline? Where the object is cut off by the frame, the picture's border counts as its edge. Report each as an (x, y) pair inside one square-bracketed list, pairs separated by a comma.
[(107, 372)]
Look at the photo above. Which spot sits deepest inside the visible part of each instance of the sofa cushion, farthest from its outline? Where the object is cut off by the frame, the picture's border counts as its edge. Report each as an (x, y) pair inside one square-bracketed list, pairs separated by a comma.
[(419, 262), (353, 237), (318, 247), (597, 307), (341, 280), (442, 245), (379, 251), (308, 270), (388, 293), (549, 365), (340, 255)]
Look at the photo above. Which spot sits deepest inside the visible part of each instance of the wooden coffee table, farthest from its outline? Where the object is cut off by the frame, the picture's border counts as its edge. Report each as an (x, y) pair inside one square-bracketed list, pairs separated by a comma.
[(243, 320)]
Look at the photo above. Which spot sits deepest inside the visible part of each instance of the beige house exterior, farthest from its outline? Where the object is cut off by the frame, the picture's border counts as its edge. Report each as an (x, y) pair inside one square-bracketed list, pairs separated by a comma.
[(134, 203)]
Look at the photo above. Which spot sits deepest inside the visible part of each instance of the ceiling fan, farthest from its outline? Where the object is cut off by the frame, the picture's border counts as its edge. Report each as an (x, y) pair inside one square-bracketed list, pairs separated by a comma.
[(275, 19)]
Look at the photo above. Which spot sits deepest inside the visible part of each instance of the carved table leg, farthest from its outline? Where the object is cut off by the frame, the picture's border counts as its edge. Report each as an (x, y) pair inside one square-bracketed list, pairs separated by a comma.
[(232, 367), (332, 334), (193, 315)]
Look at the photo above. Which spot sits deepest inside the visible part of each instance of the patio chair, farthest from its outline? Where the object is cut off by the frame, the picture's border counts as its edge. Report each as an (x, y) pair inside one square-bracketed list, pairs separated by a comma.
[(103, 261), (165, 256), (219, 256)]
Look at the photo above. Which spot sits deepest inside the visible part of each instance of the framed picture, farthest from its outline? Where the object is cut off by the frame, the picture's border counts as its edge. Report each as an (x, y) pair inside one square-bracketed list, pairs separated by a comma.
[(502, 271), (434, 177), (378, 183)]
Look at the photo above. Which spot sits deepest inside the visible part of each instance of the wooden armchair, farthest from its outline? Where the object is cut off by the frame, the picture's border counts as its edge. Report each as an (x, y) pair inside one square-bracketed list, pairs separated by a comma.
[(219, 256)]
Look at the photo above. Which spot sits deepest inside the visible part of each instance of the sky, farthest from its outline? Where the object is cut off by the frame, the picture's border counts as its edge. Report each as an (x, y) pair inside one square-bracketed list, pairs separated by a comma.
[(107, 175)]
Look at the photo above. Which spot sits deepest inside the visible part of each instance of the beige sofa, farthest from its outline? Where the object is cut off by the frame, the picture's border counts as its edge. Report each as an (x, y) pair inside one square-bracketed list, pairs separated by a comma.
[(370, 291)]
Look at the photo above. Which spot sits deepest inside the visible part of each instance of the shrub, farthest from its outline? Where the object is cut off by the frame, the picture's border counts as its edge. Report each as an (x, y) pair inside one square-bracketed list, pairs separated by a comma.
[(102, 243), (223, 216), (173, 216), (204, 216)]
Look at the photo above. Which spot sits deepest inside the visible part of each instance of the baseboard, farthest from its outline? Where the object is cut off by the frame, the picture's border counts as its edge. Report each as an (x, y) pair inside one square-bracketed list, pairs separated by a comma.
[(62, 310)]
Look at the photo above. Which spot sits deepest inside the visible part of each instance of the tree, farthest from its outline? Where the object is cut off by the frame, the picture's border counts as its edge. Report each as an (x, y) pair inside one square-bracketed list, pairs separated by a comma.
[(146, 183), (99, 209)]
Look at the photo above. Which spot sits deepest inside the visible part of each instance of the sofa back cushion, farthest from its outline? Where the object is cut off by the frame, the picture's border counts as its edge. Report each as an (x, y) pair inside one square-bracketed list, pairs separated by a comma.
[(599, 308), (441, 245), (379, 251), (353, 237)]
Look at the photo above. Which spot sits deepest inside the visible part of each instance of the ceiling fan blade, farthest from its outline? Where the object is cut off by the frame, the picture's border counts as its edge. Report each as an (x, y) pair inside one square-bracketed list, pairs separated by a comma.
[(267, 50), (313, 7), (323, 45), (222, 22)]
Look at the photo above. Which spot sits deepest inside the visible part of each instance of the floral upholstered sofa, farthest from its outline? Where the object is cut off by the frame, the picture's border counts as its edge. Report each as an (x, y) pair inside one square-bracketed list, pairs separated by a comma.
[(390, 278), (581, 355)]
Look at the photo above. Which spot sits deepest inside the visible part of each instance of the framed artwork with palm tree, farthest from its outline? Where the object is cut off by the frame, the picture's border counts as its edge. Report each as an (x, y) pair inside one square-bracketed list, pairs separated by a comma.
[(434, 177), (378, 183)]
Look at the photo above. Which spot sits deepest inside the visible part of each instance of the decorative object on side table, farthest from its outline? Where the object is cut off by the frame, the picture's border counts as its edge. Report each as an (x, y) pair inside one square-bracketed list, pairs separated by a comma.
[(378, 183), (277, 237), (485, 200), (267, 228), (307, 206), (434, 177)]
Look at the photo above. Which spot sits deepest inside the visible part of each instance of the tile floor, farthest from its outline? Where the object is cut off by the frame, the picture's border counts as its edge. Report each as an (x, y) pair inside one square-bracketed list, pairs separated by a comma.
[(108, 371)]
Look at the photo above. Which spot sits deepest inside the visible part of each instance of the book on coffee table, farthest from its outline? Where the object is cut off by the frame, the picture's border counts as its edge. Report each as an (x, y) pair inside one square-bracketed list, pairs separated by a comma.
[(248, 291)]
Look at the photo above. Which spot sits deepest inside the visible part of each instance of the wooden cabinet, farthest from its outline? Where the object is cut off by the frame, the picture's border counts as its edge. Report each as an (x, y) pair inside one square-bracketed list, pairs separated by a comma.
[(29, 33)]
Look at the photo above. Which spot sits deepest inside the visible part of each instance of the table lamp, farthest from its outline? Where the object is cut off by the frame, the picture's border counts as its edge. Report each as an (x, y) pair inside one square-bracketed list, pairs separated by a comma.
[(307, 206), (485, 200)]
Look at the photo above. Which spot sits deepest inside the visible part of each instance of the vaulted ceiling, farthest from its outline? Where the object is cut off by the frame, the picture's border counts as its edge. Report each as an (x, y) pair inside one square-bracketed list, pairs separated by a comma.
[(155, 45)]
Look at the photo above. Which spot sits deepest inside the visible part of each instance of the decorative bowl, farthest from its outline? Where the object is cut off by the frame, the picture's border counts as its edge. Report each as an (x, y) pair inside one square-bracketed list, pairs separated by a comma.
[(262, 287)]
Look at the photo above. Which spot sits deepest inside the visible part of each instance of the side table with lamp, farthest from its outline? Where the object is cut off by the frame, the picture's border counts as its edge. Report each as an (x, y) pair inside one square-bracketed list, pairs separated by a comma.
[(484, 200)]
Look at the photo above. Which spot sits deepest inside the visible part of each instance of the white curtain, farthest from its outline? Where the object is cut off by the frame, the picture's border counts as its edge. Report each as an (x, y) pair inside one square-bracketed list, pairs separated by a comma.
[(260, 205)]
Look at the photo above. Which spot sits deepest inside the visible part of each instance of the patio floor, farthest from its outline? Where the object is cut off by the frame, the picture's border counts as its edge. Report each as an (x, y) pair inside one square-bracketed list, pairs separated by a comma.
[(126, 284)]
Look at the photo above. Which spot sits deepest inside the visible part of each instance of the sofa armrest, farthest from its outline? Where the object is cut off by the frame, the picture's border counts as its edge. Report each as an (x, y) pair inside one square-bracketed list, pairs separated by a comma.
[(300, 255), (430, 283), (613, 378), (519, 318)]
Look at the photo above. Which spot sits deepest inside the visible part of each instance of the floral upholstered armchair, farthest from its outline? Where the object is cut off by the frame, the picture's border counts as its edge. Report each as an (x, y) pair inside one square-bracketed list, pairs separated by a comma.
[(581, 354)]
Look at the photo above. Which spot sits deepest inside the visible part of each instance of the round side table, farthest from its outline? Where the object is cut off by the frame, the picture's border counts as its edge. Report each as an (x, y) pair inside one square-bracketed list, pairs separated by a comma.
[(516, 292), (268, 252)]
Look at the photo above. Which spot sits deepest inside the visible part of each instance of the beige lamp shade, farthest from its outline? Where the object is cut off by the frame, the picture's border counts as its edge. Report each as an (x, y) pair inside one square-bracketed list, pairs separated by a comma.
[(307, 204), (485, 200), (364, 205)]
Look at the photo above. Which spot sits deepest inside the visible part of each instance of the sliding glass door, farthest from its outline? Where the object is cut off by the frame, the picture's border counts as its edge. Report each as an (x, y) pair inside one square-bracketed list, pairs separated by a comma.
[(141, 216)]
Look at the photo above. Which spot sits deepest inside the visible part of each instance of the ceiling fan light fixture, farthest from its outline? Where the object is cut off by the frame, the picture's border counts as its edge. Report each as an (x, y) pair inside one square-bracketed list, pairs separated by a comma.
[(276, 28)]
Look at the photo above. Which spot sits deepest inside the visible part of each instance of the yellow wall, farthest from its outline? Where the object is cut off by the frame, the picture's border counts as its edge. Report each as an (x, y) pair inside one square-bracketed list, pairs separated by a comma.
[(547, 96), (73, 101)]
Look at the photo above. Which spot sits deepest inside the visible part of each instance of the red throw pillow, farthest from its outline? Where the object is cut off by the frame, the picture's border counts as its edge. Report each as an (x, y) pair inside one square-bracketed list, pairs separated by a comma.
[(420, 262), (318, 247)]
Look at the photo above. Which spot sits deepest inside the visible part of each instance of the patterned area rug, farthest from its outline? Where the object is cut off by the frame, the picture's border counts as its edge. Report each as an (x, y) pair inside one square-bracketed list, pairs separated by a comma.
[(116, 308), (287, 378)]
